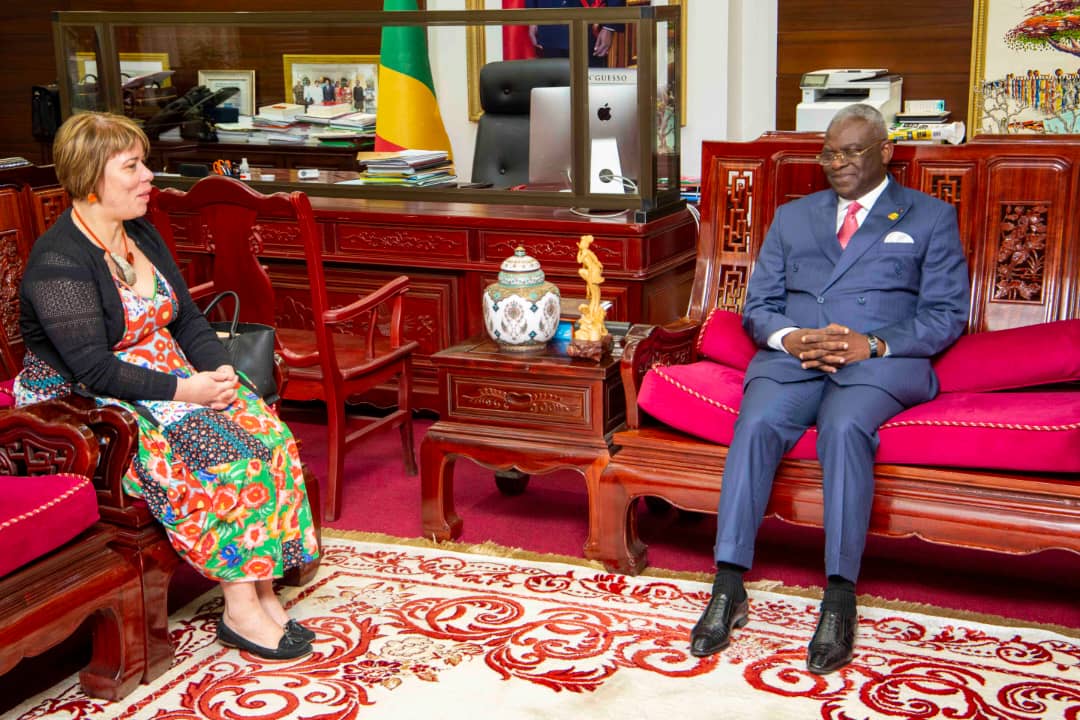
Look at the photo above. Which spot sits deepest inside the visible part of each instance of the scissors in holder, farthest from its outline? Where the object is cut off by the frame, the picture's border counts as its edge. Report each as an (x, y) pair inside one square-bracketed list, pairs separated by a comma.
[(224, 167)]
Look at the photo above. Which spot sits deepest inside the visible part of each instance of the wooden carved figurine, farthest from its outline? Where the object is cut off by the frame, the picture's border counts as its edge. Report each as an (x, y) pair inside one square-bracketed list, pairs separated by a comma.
[(591, 338)]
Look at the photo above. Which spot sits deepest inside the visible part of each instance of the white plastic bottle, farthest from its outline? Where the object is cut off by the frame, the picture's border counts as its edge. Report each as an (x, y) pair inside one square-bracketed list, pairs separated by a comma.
[(245, 170)]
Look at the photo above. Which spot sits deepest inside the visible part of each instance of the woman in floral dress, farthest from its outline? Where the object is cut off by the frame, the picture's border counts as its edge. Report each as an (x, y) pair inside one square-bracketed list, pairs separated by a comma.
[(105, 311)]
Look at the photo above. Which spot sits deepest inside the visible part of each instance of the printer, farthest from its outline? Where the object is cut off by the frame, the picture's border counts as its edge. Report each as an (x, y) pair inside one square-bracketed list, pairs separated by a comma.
[(825, 92)]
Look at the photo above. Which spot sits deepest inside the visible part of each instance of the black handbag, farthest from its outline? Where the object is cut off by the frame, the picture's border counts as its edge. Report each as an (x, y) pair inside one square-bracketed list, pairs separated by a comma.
[(250, 347)]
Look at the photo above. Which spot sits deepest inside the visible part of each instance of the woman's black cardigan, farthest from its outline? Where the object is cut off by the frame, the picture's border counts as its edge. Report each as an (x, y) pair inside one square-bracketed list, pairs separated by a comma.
[(71, 314)]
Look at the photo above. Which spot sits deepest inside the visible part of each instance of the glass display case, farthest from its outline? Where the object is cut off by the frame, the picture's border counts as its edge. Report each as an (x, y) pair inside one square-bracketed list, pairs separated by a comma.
[(202, 83)]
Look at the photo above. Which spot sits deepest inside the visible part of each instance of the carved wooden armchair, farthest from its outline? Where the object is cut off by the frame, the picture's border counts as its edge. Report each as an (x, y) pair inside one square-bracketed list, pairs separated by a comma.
[(327, 362)]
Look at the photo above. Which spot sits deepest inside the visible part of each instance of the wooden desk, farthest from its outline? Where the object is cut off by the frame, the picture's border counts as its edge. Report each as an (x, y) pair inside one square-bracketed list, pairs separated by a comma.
[(530, 411)]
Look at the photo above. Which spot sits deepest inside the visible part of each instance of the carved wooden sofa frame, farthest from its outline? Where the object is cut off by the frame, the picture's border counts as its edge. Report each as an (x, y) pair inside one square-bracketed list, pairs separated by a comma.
[(743, 184), (85, 580)]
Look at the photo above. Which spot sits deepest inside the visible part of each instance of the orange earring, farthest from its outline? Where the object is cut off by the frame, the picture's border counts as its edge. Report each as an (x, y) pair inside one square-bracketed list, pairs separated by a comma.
[(92, 198)]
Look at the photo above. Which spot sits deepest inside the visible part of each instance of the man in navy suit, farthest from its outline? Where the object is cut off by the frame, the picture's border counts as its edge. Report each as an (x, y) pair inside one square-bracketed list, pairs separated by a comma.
[(855, 288), (554, 40)]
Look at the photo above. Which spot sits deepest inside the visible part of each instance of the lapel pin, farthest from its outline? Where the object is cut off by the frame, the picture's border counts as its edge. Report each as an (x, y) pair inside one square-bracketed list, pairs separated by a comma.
[(894, 215)]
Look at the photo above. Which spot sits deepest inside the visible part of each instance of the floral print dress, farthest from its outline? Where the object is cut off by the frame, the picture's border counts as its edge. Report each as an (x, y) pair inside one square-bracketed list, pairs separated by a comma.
[(227, 485)]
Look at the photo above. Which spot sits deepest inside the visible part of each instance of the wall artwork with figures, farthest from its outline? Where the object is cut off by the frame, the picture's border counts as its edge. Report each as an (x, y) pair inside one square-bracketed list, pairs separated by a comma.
[(332, 79), (1025, 70)]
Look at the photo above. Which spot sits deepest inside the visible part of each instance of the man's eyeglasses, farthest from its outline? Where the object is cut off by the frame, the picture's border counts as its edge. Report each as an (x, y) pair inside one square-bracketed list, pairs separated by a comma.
[(828, 157)]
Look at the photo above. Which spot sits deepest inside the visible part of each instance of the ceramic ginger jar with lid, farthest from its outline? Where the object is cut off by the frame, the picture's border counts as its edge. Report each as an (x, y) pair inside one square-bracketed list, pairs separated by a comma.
[(521, 310)]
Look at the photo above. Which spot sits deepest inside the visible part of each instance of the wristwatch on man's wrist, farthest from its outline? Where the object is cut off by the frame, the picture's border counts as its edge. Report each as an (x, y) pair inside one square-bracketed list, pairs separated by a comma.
[(872, 339)]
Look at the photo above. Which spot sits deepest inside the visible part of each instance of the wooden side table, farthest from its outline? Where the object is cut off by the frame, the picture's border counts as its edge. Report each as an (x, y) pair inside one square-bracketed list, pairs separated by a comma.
[(514, 411)]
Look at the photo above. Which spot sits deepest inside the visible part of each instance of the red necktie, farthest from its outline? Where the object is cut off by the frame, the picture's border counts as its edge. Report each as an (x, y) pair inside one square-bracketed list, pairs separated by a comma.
[(850, 224)]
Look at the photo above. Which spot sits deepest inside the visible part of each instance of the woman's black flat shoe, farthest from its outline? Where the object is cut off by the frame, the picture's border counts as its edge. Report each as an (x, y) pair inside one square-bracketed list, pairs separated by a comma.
[(299, 632), (288, 647)]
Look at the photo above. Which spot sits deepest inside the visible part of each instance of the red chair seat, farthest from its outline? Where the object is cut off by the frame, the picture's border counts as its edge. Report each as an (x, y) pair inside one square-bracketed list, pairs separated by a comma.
[(40, 514)]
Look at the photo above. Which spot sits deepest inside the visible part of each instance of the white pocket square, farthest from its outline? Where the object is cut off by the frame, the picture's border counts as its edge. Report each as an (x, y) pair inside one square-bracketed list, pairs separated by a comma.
[(899, 237)]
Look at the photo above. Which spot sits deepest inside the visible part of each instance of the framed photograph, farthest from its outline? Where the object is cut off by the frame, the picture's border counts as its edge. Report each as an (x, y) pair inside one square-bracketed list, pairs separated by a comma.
[(330, 79), (244, 101), (1024, 67), (131, 65)]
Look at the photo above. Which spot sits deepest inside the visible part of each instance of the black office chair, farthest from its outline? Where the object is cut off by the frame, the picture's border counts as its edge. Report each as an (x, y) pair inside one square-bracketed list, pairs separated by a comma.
[(502, 134)]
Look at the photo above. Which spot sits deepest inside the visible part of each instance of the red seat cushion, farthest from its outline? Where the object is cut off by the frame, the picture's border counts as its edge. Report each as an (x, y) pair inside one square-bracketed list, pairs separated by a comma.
[(7, 393), (41, 513), (1014, 358), (1026, 431)]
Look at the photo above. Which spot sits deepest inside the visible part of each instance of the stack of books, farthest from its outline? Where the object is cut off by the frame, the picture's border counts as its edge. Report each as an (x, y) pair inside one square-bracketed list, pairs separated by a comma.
[(323, 114), (926, 122), (417, 168)]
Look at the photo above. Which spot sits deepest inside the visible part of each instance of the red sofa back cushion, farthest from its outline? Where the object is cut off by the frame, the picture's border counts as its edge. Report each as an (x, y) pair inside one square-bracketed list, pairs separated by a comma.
[(1014, 358), (723, 339)]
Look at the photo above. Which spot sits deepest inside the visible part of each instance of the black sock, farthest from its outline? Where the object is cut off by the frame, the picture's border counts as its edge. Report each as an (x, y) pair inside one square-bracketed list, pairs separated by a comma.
[(729, 581), (839, 595)]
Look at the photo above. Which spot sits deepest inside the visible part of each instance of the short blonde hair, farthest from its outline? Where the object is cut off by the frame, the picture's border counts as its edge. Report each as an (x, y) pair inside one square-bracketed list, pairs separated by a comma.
[(85, 143)]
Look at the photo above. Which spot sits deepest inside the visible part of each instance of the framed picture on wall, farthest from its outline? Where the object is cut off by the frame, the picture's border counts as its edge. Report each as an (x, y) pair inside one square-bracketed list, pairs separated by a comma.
[(244, 101), (331, 79), (1025, 67)]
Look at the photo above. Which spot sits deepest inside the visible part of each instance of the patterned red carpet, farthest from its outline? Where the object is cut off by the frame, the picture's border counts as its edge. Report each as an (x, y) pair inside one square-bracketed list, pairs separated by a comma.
[(419, 632), (551, 517)]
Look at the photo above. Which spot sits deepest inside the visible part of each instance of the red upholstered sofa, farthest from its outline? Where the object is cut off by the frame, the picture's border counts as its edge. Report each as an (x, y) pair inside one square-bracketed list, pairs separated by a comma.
[(59, 567), (993, 462)]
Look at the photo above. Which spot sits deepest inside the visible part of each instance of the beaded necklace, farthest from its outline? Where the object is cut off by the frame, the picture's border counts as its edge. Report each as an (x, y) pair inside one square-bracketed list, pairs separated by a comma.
[(126, 263)]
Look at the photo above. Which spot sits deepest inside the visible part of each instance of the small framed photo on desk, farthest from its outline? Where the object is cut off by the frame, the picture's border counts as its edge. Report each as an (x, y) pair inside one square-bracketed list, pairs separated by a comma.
[(332, 80), (244, 101)]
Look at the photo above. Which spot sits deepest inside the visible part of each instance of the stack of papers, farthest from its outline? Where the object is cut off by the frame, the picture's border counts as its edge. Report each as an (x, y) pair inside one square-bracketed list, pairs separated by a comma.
[(419, 168), (280, 112), (318, 113)]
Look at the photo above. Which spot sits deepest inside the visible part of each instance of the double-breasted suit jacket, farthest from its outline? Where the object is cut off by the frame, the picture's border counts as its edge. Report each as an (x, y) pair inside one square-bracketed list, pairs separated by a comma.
[(902, 277)]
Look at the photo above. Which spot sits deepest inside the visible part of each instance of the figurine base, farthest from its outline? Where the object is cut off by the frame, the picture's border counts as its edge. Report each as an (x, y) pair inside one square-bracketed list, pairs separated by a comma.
[(591, 349)]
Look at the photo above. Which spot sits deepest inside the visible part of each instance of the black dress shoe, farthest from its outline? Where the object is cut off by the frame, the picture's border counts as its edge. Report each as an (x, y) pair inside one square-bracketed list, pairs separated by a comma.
[(299, 631), (833, 643), (712, 633), (288, 646)]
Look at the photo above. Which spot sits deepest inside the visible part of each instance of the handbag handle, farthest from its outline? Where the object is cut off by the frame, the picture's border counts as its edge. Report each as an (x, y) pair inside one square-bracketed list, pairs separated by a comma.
[(236, 309)]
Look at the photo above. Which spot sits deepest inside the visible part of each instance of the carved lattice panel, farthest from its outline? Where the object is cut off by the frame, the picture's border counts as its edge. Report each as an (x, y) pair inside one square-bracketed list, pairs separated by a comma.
[(948, 187), (735, 227), (1019, 271), (732, 280)]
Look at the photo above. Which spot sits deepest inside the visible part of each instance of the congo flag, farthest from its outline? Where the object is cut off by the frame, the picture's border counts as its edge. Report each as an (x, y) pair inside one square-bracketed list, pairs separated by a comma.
[(407, 115)]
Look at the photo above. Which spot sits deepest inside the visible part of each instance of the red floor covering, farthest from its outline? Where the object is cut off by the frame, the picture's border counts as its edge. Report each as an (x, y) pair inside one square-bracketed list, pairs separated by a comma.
[(551, 517)]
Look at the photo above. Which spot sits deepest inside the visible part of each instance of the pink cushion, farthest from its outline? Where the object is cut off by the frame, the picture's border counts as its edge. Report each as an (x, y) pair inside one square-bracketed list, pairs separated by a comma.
[(1014, 358), (7, 393), (723, 339), (1027, 431), (41, 513)]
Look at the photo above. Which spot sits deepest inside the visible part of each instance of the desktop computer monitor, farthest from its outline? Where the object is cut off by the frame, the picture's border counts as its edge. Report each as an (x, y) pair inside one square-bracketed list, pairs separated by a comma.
[(613, 132)]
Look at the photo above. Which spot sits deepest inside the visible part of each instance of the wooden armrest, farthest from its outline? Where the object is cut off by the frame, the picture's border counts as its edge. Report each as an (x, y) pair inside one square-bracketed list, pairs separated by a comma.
[(646, 346), (202, 290), (393, 289), (42, 440)]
